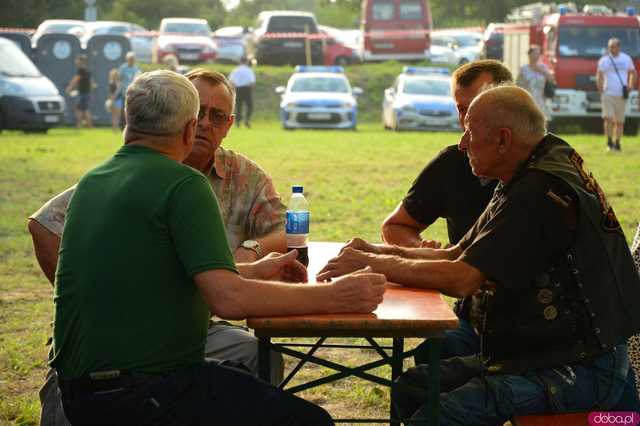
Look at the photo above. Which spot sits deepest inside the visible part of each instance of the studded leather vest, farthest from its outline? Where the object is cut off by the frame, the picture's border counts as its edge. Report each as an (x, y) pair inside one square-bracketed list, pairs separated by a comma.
[(585, 304)]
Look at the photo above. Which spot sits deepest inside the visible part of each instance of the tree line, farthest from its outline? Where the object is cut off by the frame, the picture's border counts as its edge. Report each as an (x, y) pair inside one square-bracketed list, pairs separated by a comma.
[(338, 13)]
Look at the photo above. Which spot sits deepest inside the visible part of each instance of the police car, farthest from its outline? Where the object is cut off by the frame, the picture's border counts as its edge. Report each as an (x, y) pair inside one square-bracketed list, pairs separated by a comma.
[(318, 97), (420, 99)]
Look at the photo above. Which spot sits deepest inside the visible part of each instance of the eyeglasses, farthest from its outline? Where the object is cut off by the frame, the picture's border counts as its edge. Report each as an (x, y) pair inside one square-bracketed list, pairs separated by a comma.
[(217, 117)]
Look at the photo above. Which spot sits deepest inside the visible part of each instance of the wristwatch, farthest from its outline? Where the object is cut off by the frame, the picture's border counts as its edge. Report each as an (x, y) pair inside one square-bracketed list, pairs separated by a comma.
[(251, 245)]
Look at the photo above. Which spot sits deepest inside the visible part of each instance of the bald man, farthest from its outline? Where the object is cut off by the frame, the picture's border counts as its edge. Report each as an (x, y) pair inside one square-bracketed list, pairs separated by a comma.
[(551, 276)]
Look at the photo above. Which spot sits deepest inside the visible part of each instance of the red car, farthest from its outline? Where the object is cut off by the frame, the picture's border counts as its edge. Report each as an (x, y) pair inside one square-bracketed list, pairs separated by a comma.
[(335, 51), (188, 39)]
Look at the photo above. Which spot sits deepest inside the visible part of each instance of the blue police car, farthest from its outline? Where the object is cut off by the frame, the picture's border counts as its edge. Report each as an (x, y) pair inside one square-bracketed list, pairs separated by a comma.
[(318, 97), (420, 99)]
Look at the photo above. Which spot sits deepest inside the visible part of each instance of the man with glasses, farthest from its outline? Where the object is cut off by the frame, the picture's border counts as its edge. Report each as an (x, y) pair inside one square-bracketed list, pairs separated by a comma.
[(250, 207)]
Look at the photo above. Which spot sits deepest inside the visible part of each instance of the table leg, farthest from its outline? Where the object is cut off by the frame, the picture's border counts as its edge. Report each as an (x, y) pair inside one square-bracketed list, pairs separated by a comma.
[(396, 371), (264, 358), (435, 347)]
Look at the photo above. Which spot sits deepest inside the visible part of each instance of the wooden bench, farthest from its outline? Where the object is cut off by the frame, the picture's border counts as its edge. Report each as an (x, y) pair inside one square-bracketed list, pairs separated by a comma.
[(573, 419)]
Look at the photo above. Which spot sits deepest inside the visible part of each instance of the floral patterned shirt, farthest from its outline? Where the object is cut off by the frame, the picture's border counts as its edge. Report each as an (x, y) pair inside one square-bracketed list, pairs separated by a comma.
[(249, 203)]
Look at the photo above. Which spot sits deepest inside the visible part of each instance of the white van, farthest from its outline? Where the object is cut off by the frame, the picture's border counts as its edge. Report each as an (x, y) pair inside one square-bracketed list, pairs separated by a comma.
[(28, 100)]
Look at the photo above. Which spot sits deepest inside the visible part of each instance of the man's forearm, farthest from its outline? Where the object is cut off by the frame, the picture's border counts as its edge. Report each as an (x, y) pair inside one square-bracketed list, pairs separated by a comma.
[(401, 235), (275, 241), (46, 245)]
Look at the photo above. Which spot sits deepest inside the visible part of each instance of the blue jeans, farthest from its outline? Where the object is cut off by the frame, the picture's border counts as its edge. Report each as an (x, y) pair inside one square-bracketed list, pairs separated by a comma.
[(470, 398), (461, 341), (207, 394)]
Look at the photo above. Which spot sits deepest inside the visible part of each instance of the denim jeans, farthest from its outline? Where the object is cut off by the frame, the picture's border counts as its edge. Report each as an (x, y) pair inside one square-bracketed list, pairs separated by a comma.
[(470, 398), (207, 394), (461, 341)]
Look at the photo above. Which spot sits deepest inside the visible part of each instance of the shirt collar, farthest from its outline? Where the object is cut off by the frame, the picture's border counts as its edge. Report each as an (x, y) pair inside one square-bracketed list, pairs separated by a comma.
[(520, 170), (218, 169)]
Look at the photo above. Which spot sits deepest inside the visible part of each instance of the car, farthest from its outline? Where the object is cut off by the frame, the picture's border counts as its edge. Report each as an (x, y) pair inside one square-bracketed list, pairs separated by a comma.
[(279, 38), (420, 99), (466, 45), (230, 43), (493, 41), (336, 51), (140, 38), (28, 100), (318, 97), (187, 38), (58, 26)]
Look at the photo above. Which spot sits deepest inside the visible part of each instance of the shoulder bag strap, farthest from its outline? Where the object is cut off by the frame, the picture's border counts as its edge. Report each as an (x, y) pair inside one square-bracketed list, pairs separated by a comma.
[(616, 68)]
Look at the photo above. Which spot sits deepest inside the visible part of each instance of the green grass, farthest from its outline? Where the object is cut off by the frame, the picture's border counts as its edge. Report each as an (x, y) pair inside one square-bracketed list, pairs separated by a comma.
[(352, 180)]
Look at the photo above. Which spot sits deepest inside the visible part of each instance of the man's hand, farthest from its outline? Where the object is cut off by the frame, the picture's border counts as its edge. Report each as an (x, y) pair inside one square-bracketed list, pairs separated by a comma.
[(362, 245), (280, 267), (359, 292), (431, 244), (348, 260)]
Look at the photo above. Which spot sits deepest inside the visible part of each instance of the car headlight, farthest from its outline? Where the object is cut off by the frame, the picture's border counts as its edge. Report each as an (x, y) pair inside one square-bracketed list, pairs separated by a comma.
[(408, 108), (347, 105), (11, 89), (290, 105), (167, 48)]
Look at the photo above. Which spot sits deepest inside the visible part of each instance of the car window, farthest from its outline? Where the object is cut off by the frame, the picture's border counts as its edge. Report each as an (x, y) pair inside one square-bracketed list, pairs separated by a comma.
[(111, 29), (410, 10), (14, 63), (291, 24), (422, 86), (320, 84), (59, 28), (383, 11), (466, 40), (187, 28)]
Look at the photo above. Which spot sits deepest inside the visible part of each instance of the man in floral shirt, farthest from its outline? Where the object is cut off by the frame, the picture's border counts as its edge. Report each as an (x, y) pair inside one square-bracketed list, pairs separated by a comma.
[(251, 209)]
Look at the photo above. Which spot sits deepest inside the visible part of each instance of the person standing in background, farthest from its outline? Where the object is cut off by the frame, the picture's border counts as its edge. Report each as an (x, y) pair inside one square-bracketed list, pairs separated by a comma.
[(127, 72), (243, 80), (113, 88), (533, 76), (82, 83), (616, 75)]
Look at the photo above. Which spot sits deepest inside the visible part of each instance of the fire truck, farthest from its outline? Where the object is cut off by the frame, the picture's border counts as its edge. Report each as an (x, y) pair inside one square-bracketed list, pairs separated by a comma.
[(572, 43)]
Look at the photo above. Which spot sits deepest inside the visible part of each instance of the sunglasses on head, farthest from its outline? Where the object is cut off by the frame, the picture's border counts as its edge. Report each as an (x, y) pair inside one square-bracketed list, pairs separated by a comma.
[(217, 117)]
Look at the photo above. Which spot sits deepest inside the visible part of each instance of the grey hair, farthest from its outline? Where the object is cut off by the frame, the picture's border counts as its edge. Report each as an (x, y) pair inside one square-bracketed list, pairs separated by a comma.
[(161, 102), (514, 107)]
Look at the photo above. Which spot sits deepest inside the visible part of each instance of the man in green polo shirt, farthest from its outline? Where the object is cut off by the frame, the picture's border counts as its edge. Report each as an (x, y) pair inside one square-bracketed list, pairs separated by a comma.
[(143, 260)]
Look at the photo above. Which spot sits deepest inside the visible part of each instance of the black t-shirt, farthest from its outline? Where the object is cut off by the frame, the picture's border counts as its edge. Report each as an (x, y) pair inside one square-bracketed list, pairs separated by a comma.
[(84, 84), (447, 188), (528, 223)]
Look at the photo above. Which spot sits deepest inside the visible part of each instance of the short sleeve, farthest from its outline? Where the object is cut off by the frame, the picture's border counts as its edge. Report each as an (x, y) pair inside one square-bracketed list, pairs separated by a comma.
[(522, 231), (53, 213), (197, 228), (266, 214), (425, 198)]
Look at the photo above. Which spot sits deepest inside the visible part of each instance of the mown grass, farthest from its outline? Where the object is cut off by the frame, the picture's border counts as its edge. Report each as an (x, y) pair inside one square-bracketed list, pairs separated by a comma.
[(352, 180)]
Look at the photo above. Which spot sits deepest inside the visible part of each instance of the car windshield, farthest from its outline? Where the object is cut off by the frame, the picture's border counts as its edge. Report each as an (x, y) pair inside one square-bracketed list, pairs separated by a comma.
[(187, 28), (592, 41), (467, 40), (291, 24), (320, 84), (60, 28), (111, 29), (424, 86), (14, 63)]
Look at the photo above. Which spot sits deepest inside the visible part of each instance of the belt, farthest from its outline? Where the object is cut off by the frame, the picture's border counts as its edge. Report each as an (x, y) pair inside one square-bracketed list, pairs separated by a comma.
[(104, 381)]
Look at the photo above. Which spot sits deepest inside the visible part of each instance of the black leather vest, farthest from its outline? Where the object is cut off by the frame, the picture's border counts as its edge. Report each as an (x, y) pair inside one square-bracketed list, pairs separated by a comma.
[(585, 304)]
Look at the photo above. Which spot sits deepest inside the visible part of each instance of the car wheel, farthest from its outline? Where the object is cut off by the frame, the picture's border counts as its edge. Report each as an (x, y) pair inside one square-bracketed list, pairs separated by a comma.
[(342, 61)]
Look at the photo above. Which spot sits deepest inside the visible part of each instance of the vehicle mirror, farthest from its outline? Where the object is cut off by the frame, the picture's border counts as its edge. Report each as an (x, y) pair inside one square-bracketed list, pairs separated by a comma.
[(280, 90), (357, 91)]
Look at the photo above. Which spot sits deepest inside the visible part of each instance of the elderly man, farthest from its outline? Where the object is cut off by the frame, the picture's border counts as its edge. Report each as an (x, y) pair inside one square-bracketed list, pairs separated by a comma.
[(144, 259), (446, 188), (552, 280), (616, 75), (251, 210)]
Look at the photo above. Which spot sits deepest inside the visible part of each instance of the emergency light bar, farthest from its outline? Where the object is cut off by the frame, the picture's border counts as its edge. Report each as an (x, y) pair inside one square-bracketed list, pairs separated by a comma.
[(319, 68), (426, 70)]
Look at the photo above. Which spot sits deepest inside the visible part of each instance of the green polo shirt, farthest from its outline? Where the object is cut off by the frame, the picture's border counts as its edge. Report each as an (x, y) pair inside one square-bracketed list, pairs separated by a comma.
[(138, 228)]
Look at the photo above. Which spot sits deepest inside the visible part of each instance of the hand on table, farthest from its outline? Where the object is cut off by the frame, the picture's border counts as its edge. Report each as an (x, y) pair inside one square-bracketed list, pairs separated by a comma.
[(431, 244), (360, 291), (281, 267), (362, 245), (347, 261)]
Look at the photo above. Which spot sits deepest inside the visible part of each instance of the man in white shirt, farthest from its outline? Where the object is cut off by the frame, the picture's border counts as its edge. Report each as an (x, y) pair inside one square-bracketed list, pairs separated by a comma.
[(615, 77), (244, 80)]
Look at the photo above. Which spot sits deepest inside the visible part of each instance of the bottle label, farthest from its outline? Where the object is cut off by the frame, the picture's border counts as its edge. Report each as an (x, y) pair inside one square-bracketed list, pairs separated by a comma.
[(297, 222)]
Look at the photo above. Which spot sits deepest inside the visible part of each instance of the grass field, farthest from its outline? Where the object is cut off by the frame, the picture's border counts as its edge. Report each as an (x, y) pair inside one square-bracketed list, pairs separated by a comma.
[(352, 181)]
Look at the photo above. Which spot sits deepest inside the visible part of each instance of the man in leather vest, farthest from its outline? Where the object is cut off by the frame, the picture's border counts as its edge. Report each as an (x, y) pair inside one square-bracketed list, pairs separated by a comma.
[(552, 279)]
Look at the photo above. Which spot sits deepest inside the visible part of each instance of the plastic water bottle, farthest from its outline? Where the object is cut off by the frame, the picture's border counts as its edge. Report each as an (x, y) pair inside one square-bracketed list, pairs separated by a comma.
[(297, 227)]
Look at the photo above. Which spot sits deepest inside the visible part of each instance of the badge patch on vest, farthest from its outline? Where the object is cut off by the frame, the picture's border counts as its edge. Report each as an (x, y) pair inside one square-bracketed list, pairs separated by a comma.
[(609, 220)]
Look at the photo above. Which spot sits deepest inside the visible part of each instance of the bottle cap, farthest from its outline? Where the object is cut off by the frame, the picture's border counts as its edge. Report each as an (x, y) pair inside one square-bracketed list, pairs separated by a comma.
[(297, 189)]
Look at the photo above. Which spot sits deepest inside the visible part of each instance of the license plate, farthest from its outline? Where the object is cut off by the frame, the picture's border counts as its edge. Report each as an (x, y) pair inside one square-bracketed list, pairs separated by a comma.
[(292, 44), (319, 116), (189, 56), (51, 118)]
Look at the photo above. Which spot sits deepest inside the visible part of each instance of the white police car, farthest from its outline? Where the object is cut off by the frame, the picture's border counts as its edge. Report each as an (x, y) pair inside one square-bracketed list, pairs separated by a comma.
[(318, 97), (420, 99)]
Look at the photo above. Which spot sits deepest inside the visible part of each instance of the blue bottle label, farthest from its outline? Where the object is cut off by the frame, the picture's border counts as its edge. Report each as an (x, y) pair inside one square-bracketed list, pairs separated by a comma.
[(297, 222)]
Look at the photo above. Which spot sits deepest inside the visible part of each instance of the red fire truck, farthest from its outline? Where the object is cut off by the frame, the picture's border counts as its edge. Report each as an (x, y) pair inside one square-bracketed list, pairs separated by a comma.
[(572, 43)]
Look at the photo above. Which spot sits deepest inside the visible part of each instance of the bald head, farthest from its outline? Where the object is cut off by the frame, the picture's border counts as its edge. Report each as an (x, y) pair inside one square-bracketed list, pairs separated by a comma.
[(513, 107)]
